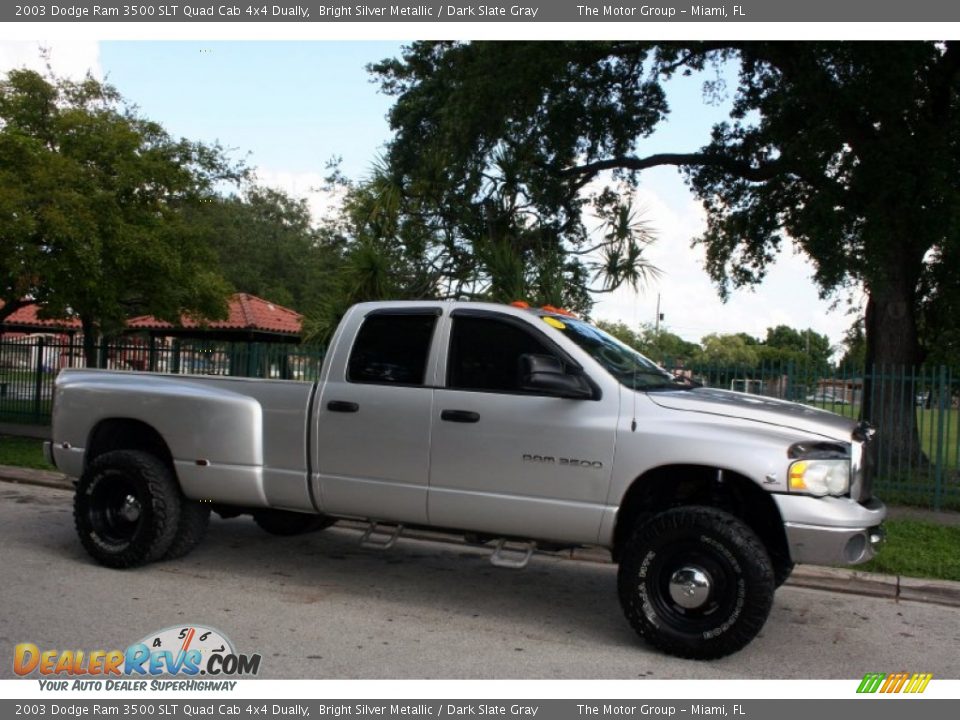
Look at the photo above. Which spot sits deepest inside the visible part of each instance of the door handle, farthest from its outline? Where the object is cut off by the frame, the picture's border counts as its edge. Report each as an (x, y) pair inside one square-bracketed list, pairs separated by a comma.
[(460, 416), (342, 406)]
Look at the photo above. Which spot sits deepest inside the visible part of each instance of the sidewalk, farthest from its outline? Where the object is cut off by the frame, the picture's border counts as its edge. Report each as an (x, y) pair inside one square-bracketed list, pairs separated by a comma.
[(894, 587)]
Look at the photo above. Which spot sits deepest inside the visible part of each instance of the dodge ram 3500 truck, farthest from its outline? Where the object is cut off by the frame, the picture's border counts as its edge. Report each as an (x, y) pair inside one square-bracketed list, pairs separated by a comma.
[(510, 425)]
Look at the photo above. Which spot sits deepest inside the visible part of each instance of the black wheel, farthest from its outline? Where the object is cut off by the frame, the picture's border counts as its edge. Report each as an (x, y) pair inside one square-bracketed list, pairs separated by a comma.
[(696, 582), (284, 522), (191, 528), (126, 508)]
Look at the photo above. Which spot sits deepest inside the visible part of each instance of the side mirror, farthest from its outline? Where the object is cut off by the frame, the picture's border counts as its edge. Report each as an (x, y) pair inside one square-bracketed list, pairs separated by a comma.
[(545, 374)]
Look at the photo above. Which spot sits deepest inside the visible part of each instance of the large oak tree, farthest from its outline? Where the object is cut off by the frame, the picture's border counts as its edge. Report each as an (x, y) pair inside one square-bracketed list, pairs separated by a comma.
[(91, 208), (847, 149)]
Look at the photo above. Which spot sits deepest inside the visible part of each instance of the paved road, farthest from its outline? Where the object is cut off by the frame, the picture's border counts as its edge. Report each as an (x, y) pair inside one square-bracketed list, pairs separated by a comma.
[(319, 606)]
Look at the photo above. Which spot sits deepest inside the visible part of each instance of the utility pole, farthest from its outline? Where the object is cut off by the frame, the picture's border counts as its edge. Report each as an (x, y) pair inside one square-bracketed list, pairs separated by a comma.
[(659, 316)]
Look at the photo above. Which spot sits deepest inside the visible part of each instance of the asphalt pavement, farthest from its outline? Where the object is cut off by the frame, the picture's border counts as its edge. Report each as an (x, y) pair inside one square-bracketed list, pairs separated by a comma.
[(818, 578), (320, 605)]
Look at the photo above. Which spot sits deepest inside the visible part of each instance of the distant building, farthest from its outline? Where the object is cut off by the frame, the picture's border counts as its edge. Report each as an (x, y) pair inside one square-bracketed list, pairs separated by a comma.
[(254, 340), (250, 319)]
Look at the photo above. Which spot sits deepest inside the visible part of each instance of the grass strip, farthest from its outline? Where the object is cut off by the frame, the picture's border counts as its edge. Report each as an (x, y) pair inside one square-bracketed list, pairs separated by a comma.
[(23, 452)]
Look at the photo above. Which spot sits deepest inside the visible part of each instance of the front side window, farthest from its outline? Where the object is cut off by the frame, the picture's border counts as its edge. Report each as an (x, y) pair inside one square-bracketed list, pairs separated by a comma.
[(485, 354), (392, 349)]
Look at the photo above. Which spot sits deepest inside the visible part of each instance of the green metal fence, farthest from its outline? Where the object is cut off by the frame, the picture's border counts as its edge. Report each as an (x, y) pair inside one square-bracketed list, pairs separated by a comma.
[(920, 463), (920, 466), (29, 365)]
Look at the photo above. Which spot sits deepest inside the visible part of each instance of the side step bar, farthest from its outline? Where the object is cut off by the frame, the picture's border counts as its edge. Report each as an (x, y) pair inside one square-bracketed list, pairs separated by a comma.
[(514, 557), (380, 539), (509, 554)]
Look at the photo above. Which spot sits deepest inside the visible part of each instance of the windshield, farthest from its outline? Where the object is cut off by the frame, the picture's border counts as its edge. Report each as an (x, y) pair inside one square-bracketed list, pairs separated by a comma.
[(628, 366)]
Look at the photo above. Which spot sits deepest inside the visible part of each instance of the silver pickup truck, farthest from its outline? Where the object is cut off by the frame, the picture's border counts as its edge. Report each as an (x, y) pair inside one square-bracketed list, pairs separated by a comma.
[(517, 427)]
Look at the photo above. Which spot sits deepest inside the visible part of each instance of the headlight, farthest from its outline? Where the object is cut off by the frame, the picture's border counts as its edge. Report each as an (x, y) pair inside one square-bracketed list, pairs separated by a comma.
[(820, 477)]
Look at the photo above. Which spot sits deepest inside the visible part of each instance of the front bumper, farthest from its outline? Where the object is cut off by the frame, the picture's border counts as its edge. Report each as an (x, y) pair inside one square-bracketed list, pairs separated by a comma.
[(832, 531)]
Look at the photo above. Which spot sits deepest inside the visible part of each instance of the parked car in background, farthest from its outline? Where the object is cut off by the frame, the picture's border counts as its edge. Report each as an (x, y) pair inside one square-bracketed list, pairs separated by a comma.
[(827, 396)]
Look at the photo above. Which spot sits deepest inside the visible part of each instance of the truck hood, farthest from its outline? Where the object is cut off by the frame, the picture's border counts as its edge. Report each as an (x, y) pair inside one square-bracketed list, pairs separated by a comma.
[(756, 408)]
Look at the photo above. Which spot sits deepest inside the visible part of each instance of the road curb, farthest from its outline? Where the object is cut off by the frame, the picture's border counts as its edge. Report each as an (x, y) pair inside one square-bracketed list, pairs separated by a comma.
[(853, 582), (29, 476)]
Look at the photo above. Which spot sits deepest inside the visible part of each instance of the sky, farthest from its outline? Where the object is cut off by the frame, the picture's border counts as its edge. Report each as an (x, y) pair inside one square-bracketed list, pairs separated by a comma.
[(288, 107)]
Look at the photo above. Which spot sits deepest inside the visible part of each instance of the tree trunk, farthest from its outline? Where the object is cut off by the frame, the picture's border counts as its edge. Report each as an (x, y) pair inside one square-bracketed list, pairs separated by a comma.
[(889, 389), (89, 342)]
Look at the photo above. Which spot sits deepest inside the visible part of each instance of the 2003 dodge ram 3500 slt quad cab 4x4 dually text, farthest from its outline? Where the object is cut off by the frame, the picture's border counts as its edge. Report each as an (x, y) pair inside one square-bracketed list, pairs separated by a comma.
[(505, 423)]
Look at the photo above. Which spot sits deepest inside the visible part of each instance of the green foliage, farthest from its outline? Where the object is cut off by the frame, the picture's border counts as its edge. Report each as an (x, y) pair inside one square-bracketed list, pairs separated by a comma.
[(266, 245), (728, 351), (848, 150), (940, 307), (382, 253), (658, 345), (94, 198), (802, 348), (855, 347), (465, 158), (663, 346), (622, 333), (783, 346)]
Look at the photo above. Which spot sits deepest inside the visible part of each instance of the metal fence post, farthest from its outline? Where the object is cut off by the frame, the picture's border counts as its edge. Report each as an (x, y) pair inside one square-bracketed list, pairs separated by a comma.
[(152, 354), (38, 380), (942, 392)]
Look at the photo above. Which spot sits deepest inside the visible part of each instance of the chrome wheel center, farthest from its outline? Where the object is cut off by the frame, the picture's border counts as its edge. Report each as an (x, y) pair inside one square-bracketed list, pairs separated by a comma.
[(130, 510), (689, 587)]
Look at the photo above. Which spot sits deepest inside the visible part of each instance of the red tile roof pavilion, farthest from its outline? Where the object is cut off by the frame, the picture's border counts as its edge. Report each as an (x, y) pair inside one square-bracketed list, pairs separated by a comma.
[(27, 319), (249, 317), (246, 312)]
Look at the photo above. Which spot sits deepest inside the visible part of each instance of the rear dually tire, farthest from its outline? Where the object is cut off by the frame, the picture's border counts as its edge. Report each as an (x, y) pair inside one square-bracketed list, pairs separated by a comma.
[(127, 508)]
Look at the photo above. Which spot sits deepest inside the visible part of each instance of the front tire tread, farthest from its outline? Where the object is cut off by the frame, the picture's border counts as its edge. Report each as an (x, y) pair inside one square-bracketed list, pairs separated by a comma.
[(690, 524)]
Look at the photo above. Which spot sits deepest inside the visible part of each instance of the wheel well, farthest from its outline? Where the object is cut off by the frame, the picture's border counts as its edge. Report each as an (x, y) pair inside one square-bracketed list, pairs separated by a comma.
[(676, 485), (126, 434)]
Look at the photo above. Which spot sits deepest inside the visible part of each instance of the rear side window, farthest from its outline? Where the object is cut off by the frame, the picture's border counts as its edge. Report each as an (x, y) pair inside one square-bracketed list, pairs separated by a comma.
[(392, 349), (485, 354)]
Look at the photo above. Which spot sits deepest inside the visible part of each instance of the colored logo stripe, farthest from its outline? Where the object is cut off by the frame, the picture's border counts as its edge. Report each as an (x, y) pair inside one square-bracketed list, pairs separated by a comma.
[(894, 682), (871, 682)]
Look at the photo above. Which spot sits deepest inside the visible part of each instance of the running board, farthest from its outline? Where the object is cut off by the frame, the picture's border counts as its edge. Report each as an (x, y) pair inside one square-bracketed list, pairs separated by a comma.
[(374, 538), (513, 558)]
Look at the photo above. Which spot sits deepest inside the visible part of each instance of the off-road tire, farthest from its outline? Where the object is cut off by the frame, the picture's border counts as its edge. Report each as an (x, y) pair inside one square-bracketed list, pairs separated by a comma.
[(191, 528), (782, 569), (727, 552), (126, 508), (286, 523)]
